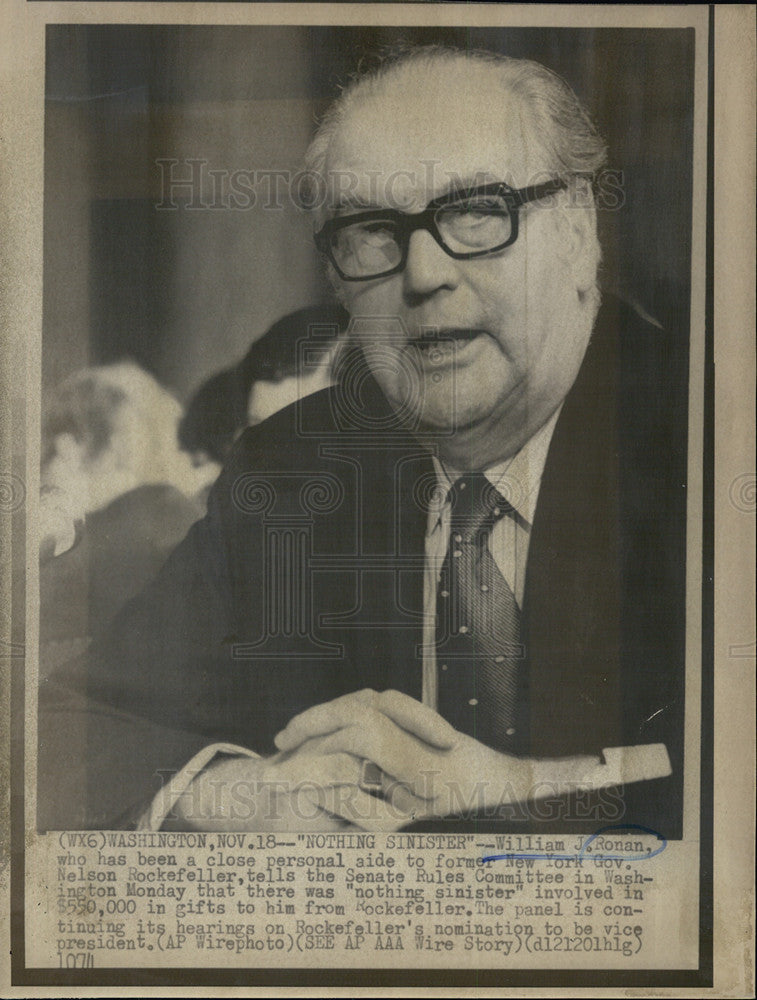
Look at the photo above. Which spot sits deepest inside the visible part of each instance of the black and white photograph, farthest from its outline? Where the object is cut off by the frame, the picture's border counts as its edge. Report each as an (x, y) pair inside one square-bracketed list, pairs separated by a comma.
[(367, 576), (441, 577)]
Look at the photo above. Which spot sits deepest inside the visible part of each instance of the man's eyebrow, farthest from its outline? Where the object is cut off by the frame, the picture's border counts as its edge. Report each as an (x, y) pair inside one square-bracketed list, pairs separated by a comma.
[(456, 184), (351, 203), (460, 183)]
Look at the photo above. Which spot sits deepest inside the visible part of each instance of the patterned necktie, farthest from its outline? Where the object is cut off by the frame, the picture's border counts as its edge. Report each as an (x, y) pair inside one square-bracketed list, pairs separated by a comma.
[(478, 649)]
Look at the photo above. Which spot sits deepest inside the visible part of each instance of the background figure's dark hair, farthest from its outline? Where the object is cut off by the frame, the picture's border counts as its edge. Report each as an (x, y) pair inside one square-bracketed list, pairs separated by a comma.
[(214, 415), (218, 410), (275, 355)]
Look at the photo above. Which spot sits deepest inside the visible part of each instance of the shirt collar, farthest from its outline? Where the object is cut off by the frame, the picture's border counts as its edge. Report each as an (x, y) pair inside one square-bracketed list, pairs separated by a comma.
[(518, 478)]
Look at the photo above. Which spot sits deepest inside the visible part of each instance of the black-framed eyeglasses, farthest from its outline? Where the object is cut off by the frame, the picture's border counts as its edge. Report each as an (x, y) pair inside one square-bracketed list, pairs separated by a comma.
[(468, 223)]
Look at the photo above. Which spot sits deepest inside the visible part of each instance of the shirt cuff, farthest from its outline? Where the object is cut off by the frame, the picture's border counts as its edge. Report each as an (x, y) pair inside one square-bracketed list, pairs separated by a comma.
[(625, 765), (155, 816)]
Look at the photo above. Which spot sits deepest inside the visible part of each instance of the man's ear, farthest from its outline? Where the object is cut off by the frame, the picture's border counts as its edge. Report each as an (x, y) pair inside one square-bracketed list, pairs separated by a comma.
[(578, 233)]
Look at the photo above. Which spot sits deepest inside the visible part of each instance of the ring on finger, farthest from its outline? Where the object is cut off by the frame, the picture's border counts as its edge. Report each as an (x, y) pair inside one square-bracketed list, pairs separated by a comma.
[(371, 778)]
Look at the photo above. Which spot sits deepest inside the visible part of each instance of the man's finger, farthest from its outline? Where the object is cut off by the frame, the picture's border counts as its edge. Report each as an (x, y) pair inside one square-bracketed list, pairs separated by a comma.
[(417, 718), (400, 756), (325, 718), (406, 712), (323, 772), (325, 768), (403, 799), (357, 807)]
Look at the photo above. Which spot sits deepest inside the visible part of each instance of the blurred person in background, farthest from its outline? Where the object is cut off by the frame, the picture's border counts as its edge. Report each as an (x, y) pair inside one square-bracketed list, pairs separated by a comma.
[(117, 495)]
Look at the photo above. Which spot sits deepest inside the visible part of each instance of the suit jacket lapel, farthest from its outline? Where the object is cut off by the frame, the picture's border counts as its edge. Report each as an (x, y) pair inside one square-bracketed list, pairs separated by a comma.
[(572, 618)]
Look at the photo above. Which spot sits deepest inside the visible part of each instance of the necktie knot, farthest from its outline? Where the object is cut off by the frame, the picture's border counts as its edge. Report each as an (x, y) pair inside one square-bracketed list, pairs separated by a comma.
[(476, 505)]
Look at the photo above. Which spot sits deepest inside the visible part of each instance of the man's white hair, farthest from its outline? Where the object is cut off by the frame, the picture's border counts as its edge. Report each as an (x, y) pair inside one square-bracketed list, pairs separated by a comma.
[(561, 125)]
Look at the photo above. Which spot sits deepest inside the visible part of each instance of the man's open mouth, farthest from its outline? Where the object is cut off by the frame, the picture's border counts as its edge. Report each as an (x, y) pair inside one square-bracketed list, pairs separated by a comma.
[(444, 342)]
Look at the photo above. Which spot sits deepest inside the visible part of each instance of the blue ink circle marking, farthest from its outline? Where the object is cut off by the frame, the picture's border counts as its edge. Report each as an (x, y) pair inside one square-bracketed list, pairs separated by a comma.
[(586, 846)]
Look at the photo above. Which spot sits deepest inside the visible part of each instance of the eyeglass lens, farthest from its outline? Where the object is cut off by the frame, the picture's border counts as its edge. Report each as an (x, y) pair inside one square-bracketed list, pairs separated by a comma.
[(471, 225)]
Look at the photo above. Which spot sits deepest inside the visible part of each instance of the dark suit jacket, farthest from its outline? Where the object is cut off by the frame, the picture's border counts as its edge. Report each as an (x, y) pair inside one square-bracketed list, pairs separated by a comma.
[(305, 581)]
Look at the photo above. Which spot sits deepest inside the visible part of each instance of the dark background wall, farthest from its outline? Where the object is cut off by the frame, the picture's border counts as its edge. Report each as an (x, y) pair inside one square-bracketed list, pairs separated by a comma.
[(184, 290)]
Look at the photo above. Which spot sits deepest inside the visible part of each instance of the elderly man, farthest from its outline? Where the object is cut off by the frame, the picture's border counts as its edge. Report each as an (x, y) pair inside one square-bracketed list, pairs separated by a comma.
[(451, 586)]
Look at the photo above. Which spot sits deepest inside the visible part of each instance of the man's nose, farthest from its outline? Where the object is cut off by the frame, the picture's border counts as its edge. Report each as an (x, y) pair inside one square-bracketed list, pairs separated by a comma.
[(428, 267)]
